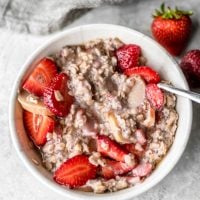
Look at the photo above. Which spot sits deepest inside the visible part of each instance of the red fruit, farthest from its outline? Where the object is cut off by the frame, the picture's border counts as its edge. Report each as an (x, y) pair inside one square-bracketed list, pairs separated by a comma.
[(38, 126), (131, 149), (128, 56), (110, 148), (75, 172), (155, 96), (142, 170), (41, 77), (114, 168), (148, 74), (58, 107), (190, 65), (171, 28)]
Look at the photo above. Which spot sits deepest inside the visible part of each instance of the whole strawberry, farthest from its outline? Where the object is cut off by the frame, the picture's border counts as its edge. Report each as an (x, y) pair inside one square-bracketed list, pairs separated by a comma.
[(171, 28), (190, 65)]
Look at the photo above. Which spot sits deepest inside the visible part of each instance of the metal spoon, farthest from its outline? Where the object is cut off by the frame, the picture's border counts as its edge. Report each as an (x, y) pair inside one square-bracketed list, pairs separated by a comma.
[(184, 93)]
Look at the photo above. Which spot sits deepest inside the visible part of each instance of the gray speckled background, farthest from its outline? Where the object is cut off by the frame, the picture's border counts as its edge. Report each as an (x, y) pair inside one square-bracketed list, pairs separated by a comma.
[(16, 183)]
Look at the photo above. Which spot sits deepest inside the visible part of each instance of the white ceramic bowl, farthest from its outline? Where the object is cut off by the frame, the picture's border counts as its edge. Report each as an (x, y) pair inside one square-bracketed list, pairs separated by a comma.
[(157, 57)]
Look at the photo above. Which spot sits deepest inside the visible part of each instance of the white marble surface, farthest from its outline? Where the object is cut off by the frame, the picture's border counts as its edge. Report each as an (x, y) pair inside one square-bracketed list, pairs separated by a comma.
[(16, 183)]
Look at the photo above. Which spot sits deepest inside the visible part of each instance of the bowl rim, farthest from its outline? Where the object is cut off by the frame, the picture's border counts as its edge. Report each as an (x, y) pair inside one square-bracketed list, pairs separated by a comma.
[(29, 165)]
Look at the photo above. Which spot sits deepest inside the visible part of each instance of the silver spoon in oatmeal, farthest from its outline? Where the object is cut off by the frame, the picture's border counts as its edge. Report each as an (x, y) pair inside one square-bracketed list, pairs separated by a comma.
[(184, 93)]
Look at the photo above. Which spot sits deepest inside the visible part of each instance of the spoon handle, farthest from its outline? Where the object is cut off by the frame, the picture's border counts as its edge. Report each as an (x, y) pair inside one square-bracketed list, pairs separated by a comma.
[(184, 93)]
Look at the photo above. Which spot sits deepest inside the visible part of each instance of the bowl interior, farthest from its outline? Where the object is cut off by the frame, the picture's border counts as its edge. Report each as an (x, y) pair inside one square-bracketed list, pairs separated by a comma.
[(157, 58)]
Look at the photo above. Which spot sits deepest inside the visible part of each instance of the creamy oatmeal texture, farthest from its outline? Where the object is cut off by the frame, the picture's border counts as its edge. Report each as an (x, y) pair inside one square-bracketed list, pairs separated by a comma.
[(109, 103)]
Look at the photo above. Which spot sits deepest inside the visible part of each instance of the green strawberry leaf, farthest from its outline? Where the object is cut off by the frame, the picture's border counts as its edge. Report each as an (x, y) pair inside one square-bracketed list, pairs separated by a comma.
[(171, 13)]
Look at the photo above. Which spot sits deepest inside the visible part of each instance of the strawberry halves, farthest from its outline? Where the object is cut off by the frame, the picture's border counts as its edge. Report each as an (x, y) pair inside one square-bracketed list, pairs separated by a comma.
[(38, 126), (155, 96), (147, 73), (110, 148), (75, 172), (114, 168), (41, 77), (56, 96)]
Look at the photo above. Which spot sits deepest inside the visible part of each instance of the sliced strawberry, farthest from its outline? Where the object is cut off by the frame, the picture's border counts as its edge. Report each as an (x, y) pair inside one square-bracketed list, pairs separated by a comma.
[(114, 168), (38, 126), (61, 106), (110, 148), (143, 169), (41, 77), (128, 56), (140, 136), (75, 172), (148, 74), (131, 148), (155, 96)]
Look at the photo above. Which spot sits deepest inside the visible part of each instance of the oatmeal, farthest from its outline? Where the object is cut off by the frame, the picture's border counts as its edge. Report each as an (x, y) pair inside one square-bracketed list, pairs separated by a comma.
[(99, 120)]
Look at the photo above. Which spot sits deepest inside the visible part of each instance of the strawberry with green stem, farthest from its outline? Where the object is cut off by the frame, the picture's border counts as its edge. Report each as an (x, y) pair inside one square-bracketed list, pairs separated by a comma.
[(171, 28)]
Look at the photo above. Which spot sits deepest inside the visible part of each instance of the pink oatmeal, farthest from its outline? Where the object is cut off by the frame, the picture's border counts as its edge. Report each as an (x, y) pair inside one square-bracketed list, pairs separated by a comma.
[(108, 103)]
